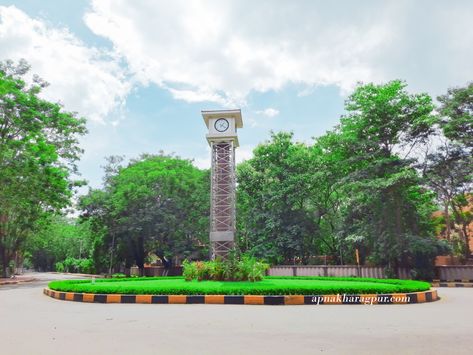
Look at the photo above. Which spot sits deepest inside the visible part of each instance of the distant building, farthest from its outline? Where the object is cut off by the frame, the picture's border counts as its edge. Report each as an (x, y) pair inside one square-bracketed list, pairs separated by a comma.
[(456, 229)]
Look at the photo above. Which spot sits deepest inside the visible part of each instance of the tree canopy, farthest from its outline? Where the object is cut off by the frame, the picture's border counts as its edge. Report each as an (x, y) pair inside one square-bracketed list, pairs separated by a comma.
[(38, 148), (457, 114), (354, 187), (157, 204)]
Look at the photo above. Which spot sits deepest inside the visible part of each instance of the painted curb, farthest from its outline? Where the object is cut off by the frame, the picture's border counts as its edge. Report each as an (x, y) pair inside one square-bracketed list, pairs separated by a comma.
[(16, 281), (366, 299), (452, 283)]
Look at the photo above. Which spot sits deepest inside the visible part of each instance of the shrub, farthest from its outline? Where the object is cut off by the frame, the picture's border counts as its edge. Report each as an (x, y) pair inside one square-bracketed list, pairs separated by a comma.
[(59, 267), (233, 268), (189, 270), (70, 265), (85, 266), (252, 269), (215, 270)]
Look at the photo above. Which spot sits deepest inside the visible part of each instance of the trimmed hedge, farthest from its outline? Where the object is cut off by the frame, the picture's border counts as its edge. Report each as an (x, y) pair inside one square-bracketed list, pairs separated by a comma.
[(269, 286)]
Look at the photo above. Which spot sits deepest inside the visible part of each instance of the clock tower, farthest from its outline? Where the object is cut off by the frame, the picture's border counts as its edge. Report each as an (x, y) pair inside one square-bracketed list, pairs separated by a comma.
[(223, 139)]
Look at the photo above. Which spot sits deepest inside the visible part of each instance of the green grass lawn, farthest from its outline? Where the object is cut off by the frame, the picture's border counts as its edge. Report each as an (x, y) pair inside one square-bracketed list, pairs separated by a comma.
[(269, 286)]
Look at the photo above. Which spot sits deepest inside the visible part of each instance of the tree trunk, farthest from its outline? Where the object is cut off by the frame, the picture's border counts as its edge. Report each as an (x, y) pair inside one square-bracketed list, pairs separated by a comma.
[(3, 250), (466, 240), (457, 210), (140, 254), (3, 255), (448, 230)]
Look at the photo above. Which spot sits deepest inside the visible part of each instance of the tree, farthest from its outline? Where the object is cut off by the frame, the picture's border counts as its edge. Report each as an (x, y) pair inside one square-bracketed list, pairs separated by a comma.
[(355, 187), (448, 171), (155, 204), (57, 239), (456, 110), (38, 148), (387, 207), (273, 193)]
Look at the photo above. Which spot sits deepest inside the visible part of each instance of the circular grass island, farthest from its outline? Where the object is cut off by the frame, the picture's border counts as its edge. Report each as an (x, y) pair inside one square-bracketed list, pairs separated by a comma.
[(275, 290)]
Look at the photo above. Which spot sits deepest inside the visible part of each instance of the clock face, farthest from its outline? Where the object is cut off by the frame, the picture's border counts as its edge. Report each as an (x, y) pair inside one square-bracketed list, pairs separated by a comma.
[(221, 125)]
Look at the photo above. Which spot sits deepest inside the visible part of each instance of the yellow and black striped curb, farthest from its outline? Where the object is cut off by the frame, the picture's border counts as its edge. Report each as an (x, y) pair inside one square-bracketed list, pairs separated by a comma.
[(391, 298), (452, 283), (16, 281)]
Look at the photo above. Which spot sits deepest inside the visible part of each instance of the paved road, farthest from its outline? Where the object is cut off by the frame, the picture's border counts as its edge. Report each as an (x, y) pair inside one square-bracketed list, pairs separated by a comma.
[(31, 323)]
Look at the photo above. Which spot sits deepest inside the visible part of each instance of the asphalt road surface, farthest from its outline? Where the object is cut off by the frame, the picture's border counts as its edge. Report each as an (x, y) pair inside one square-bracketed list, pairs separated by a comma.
[(31, 323)]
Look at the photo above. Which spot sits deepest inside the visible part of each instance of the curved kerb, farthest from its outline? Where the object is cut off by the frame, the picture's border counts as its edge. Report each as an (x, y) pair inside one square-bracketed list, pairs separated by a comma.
[(367, 299)]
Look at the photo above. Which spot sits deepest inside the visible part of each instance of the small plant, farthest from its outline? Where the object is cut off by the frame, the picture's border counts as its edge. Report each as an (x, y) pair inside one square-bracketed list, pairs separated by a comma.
[(189, 270), (59, 266), (233, 268), (215, 270), (252, 269)]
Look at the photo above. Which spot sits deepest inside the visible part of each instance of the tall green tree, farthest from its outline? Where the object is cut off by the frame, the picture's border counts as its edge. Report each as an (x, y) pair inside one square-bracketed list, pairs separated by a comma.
[(449, 173), (275, 219), (456, 112), (38, 148), (157, 204), (388, 208), (449, 170), (355, 187)]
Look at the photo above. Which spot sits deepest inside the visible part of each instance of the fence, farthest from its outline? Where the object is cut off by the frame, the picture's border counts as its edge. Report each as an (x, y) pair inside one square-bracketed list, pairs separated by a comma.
[(454, 272), (155, 271), (334, 270), (450, 273)]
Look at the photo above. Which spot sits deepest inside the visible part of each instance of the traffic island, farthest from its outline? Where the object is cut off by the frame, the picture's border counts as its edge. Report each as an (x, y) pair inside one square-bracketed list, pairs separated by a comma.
[(269, 291)]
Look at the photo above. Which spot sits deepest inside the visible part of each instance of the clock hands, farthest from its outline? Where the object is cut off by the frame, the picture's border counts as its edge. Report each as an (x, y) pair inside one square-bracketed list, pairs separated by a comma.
[(221, 125)]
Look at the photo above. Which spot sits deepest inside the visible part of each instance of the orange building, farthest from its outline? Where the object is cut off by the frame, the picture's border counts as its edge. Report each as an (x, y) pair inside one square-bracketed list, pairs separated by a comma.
[(457, 229)]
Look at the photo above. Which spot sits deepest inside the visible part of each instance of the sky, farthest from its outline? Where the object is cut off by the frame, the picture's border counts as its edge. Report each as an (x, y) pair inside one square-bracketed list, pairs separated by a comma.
[(141, 71)]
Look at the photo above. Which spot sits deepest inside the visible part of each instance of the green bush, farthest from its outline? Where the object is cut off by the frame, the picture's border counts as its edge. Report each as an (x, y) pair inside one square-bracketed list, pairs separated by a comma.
[(234, 268), (189, 270), (251, 269), (85, 266), (59, 267)]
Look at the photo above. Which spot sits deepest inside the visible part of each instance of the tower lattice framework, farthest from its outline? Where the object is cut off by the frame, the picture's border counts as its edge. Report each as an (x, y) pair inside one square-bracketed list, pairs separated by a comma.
[(222, 209)]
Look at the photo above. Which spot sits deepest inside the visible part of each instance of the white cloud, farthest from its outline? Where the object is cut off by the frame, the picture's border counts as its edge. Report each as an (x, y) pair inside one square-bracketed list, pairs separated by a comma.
[(243, 153), (268, 112), (202, 162), (85, 79), (220, 51), (197, 96)]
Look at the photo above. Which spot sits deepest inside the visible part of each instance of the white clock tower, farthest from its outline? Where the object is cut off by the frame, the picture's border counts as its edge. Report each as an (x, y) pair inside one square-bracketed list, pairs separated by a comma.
[(223, 140)]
